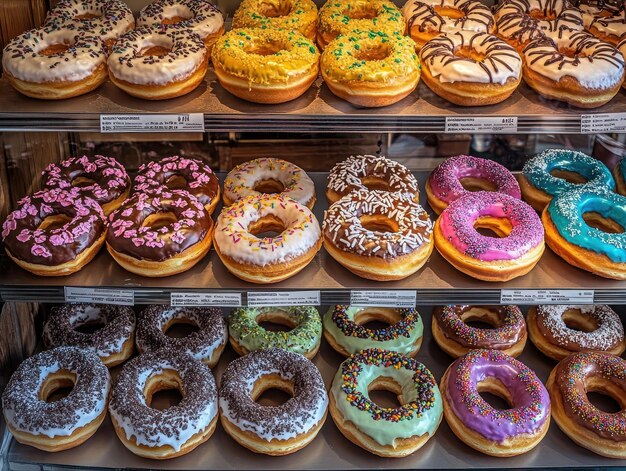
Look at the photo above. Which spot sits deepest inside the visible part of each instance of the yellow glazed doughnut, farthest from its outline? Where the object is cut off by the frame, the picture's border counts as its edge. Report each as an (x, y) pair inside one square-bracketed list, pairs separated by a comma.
[(294, 15)]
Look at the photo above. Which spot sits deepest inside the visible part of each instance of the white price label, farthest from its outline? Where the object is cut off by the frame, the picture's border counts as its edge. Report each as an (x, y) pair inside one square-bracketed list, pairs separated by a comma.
[(604, 122), (191, 122), (205, 299), (546, 296), (480, 124), (123, 297), (283, 298), (387, 298)]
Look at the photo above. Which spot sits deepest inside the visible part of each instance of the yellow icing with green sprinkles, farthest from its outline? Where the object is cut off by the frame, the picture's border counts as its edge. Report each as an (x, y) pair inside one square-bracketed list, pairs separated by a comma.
[(343, 16), (298, 15)]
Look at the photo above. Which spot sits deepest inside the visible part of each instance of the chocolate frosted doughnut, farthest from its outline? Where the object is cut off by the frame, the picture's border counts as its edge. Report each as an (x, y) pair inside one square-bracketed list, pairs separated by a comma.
[(206, 344), (113, 343)]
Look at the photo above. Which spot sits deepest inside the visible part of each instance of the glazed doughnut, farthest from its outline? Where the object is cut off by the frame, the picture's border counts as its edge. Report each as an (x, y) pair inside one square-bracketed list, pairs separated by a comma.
[(345, 16), (172, 432), (246, 335), (106, 19), (159, 232), (295, 15), (114, 342), (100, 178), (345, 332), (619, 173), (54, 232), (266, 259), (457, 176), (269, 175), (67, 422), (601, 432), (426, 19), (456, 337), (388, 432), (557, 171), (198, 16), (265, 65), (596, 328), (370, 69), (54, 63), (206, 344), (608, 26), (471, 69), (513, 254), (181, 173), (378, 235), (156, 64), (369, 172), (495, 432), (578, 241), (576, 68), (276, 430)]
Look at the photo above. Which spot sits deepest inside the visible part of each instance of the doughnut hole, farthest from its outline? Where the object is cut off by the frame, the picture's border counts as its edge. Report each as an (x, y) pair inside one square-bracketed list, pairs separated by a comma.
[(180, 328), (568, 176), (161, 47), (177, 182), (377, 318), (158, 220), (548, 15), (163, 390), (605, 395), (88, 15), (276, 321), (386, 392), (267, 227), (373, 54), (495, 393), (379, 223), (89, 327), (375, 183), (57, 385), (477, 184), (54, 49), (362, 12), (183, 14), (269, 186), (265, 49), (602, 223), (576, 320), (481, 318), (493, 227), (82, 181), (275, 9), (272, 390), (54, 221), (448, 12), (469, 53)]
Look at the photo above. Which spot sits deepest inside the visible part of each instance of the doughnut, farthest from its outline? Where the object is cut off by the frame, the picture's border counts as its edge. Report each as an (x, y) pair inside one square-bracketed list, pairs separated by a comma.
[(172, 432), (266, 259), (106, 19), (608, 26), (378, 235), (456, 337), (246, 335), (575, 68), (206, 344), (181, 173), (159, 232), (275, 430), (265, 66), (520, 21), (100, 178), (54, 232), (470, 69), (369, 172), (601, 432), (197, 16), (295, 15), (345, 332), (597, 328), (619, 173), (64, 423), (370, 69), (516, 249), (492, 431), (556, 171), (345, 16), (621, 47), (54, 63), (388, 432), (268, 175), (113, 342), (457, 176), (578, 241), (426, 19), (157, 64)]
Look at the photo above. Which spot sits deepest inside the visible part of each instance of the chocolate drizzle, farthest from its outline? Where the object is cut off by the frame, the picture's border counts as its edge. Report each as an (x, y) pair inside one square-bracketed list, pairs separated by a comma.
[(425, 15)]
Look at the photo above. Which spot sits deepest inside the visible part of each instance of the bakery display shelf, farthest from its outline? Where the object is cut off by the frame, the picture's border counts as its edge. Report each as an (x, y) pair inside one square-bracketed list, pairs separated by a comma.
[(318, 110), (330, 450), (437, 282)]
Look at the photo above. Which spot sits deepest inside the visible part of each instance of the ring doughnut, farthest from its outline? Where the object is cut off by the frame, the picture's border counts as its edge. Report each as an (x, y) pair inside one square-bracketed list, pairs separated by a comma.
[(596, 328), (277, 430), (206, 344), (619, 172), (295, 15), (65, 423), (608, 26), (473, 420), (113, 343)]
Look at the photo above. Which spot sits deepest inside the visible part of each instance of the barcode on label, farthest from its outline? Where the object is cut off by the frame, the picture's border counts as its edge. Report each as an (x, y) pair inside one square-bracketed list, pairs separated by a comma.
[(122, 297), (283, 298), (383, 298), (205, 299), (546, 296), (603, 122), (480, 124), (190, 122)]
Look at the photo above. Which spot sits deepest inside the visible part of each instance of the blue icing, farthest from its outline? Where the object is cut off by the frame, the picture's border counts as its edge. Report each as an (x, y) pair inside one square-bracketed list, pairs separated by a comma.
[(566, 212), (622, 168), (537, 171)]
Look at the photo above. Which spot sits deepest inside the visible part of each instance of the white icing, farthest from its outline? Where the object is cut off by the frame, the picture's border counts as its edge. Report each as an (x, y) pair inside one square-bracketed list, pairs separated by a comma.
[(614, 25), (202, 17), (477, 17)]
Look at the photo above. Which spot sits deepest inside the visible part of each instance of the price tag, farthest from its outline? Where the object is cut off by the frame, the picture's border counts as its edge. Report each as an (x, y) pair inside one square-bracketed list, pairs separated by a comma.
[(546, 296), (482, 124), (604, 122), (123, 297), (182, 298), (191, 122), (387, 298), (283, 298)]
